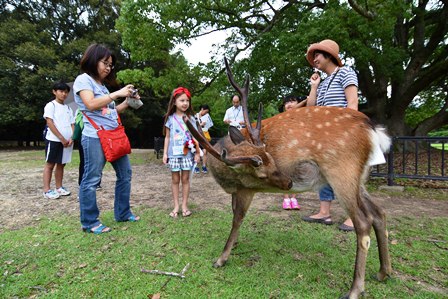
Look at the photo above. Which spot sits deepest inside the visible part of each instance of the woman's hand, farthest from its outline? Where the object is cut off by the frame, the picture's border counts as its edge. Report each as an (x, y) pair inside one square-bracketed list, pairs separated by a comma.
[(315, 79), (197, 157), (124, 92), (165, 158)]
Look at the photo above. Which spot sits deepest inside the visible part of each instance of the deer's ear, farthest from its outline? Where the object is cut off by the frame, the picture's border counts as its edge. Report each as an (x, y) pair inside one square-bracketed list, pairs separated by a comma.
[(235, 135)]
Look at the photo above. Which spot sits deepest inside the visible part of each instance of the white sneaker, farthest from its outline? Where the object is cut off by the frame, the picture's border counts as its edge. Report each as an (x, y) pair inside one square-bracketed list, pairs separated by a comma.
[(63, 192), (51, 194)]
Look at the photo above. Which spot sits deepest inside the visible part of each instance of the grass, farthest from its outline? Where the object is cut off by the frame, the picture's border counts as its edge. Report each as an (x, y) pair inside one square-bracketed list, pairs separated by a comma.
[(439, 146), (276, 258)]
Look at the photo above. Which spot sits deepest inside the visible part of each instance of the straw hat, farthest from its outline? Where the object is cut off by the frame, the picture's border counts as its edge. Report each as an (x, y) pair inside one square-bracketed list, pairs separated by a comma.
[(327, 45)]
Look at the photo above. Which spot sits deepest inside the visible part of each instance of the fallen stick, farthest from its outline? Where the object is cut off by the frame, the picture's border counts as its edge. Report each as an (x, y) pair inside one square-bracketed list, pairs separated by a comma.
[(158, 272)]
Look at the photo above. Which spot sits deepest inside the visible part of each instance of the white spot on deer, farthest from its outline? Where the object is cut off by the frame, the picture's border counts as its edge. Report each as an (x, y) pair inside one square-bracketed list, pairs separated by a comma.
[(336, 119), (301, 124), (290, 131), (365, 243), (303, 151), (308, 134), (313, 142), (288, 114), (327, 112), (331, 152), (341, 142), (346, 115), (293, 143), (280, 116), (327, 123), (316, 110), (327, 133), (319, 126), (319, 146)]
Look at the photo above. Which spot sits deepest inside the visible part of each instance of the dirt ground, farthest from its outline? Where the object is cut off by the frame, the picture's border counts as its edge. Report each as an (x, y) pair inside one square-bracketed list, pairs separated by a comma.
[(22, 203)]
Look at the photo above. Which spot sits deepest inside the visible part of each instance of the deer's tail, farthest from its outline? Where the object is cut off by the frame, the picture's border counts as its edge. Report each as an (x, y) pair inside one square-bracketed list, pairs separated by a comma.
[(382, 139), (381, 143)]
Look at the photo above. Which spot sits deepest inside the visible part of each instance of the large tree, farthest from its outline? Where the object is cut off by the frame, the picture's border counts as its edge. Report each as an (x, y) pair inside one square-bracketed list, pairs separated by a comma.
[(398, 48), (42, 42)]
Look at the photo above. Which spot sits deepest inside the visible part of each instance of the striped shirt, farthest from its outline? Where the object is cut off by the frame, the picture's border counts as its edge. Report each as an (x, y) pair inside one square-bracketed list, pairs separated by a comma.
[(334, 94)]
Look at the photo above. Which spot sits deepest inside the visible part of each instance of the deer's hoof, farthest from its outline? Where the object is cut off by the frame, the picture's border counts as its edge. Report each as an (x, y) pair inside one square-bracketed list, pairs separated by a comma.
[(352, 296), (381, 276), (218, 264)]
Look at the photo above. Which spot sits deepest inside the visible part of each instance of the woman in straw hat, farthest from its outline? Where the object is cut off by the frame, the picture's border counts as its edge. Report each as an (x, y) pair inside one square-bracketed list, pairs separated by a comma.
[(340, 89)]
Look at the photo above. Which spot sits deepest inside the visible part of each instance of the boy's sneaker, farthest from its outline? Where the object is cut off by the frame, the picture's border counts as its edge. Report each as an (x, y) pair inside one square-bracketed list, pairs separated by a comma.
[(51, 194), (204, 169), (196, 169), (63, 192), (98, 188), (294, 204), (286, 204)]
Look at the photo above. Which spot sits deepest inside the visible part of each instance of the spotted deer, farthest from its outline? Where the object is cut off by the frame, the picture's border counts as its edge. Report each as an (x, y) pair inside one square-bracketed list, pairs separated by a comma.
[(303, 149)]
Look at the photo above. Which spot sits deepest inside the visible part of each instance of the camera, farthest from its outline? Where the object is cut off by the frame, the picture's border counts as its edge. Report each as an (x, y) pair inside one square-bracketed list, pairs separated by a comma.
[(134, 92), (133, 101)]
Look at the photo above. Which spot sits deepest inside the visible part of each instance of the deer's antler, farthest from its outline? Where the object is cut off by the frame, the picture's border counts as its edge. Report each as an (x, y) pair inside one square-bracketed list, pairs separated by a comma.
[(201, 139), (231, 161), (254, 133)]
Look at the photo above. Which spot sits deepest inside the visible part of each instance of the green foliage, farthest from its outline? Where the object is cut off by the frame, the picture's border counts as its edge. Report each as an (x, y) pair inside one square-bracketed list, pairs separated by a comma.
[(376, 38), (42, 42)]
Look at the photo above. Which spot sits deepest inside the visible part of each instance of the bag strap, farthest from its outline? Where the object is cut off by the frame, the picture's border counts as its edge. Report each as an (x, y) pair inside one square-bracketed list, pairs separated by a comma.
[(96, 126), (329, 84)]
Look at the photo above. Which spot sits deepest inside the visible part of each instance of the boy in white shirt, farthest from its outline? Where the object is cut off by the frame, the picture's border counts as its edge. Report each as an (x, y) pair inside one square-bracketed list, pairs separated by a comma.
[(58, 140)]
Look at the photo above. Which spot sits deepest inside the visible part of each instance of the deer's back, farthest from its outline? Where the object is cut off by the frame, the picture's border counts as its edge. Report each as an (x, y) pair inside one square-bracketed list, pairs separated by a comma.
[(325, 135)]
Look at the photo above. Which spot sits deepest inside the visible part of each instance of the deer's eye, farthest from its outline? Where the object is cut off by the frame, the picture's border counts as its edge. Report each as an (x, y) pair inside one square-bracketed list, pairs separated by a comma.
[(256, 162)]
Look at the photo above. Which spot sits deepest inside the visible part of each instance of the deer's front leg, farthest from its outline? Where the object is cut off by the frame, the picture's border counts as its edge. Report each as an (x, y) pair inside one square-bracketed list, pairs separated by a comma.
[(241, 201)]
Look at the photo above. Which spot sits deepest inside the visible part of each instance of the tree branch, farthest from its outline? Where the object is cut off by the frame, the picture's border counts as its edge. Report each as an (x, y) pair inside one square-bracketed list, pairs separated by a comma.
[(363, 12)]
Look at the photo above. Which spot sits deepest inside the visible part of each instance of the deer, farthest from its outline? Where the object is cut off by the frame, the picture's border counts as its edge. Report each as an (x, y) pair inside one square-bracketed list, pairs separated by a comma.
[(327, 145)]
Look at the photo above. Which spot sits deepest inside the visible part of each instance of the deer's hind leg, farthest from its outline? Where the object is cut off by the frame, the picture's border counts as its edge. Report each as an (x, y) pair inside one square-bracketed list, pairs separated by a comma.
[(379, 226), (241, 201), (348, 192)]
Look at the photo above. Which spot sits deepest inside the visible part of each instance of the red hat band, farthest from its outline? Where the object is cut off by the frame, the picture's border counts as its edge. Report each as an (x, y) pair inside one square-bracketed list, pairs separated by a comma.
[(181, 90)]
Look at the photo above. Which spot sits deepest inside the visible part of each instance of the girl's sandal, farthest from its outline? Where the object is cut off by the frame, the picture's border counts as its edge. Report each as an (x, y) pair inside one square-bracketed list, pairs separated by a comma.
[(186, 213), (173, 214)]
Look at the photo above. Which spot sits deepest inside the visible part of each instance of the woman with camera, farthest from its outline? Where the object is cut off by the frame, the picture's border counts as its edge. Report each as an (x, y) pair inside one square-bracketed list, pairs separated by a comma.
[(98, 105)]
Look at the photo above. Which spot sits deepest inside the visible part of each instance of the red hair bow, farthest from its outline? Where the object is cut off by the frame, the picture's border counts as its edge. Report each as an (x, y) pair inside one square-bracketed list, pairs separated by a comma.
[(181, 90)]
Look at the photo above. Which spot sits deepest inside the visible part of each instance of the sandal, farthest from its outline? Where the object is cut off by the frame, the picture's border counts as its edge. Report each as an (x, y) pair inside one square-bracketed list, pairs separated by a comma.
[(294, 204), (133, 218), (186, 213), (100, 229), (323, 220), (173, 214)]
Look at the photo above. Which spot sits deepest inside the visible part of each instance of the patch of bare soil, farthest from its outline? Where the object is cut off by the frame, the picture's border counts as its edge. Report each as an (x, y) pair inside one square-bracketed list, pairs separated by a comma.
[(22, 203)]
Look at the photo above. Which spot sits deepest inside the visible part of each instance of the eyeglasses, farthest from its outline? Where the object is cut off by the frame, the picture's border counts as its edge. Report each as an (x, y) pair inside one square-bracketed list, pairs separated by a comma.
[(107, 64)]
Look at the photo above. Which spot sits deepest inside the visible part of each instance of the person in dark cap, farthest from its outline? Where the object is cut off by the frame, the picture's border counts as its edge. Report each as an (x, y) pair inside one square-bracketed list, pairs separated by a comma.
[(340, 89)]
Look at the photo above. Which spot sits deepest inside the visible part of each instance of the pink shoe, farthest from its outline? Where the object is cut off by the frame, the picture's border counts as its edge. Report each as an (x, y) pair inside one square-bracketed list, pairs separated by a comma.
[(287, 204), (294, 204)]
